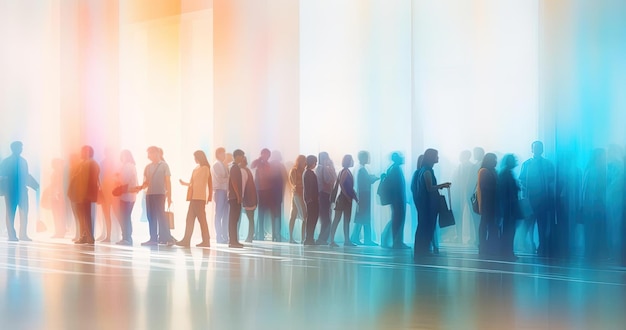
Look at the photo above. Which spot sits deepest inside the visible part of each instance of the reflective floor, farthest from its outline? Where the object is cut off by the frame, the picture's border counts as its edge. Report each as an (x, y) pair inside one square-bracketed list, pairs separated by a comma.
[(49, 284)]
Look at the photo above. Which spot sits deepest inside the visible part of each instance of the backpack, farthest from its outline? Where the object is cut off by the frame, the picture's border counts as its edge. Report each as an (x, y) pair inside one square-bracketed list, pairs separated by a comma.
[(384, 190)]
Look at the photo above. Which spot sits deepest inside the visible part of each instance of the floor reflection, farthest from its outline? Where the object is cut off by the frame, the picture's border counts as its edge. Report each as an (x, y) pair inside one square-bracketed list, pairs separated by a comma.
[(50, 285)]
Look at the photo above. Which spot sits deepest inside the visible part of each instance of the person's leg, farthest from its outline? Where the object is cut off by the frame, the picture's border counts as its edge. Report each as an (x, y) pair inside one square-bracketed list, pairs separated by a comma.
[(106, 212), (356, 233), (250, 215), (233, 221), (204, 227), (276, 221), (346, 226), (334, 225), (151, 213), (88, 221), (165, 235), (312, 216), (189, 224), (324, 218), (23, 207), (11, 208), (292, 218)]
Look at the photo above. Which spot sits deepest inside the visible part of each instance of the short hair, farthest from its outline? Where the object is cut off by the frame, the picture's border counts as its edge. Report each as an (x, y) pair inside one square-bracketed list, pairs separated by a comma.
[(219, 150), (154, 149), (311, 160), (89, 149), (15, 145), (347, 161), (363, 156), (238, 152)]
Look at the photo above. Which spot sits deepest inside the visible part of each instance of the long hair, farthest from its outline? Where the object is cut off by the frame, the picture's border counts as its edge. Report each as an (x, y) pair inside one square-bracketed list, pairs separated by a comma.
[(300, 162), (127, 157), (201, 158)]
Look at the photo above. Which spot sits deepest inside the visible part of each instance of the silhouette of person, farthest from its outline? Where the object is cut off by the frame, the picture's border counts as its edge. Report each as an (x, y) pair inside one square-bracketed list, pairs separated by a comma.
[(15, 179), (55, 193), (397, 183), (199, 193), (156, 181), (235, 198), (74, 165), (326, 177), (363, 215), (108, 202), (311, 199), (220, 187), (298, 208), (462, 191), (343, 204), (478, 154), (127, 176), (568, 185), (263, 180), (250, 197), (509, 208), (83, 190), (537, 180), (594, 206), (427, 203), (486, 193), (279, 180)]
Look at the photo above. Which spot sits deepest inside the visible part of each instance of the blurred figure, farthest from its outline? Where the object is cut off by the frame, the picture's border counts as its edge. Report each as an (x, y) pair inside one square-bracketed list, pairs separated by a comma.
[(508, 200), (199, 193), (56, 196), (279, 180), (220, 186), (478, 155), (363, 216), (343, 204), (326, 177), (109, 203), (156, 181), (263, 180), (462, 192), (74, 165), (298, 209), (396, 182), (427, 203), (235, 198), (568, 185), (250, 198), (311, 199), (127, 176), (14, 182), (537, 180), (594, 206), (83, 190), (614, 199), (489, 229)]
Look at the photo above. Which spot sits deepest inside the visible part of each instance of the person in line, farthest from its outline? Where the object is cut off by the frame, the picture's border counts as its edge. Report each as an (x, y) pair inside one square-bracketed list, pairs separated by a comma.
[(363, 216), (508, 194), (109, 167), (478, 155), (235, 198), (127, 177), (156, 181), (489, 230), (250, 197), (343, 203), (326, 177), (397, 193), (263, 181), (220, 186), (83, 191), (298, 208), (199, 193), (311, 198), (279, 180), (462, 193)]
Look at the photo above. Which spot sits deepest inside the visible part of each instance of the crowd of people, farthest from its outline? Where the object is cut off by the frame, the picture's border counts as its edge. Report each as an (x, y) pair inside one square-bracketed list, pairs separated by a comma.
[(552, 199)]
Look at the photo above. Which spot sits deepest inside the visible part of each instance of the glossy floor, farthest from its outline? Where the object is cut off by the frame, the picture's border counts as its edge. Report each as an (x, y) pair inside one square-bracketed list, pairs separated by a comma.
[(50, 284)]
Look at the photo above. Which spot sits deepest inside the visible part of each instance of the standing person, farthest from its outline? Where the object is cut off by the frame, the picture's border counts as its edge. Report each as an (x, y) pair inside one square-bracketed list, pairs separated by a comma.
[(250, 197), (427, 203), (311, 198), (363, 216), (109, 203), (478, 154), (263, 180), (15, 180), (462, 193), (343, 203), (199, 193), (488, 231), (326, 177), (508, 194), (298, 209), (83, 190), (279, 180), (128, 177), (220, 186), (397, 193), (74, 165), (594, 206), (156, 181), (235, 199), (537, 180)]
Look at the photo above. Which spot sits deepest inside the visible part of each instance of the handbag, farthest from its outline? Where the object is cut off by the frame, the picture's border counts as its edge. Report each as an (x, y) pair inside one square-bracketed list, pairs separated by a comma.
[(169, 215), (446, 217), (475, 206), (119, 190)]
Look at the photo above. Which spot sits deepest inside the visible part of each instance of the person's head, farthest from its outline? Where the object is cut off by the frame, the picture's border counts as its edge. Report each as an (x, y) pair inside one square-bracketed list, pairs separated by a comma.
[(238, 156), (311, 162), (420, 161), (200, 158), (490, 160), (17, 147), (479, 153), (220, 154), (431, 157), (265, 154), (397, 158), (347, 161), (323, 158), (154, 154), (86, 152), (277, 157), (465, 156), (364, 157), (537, 148), (300, 162), (244, 162), (508, 162), (127, 157)]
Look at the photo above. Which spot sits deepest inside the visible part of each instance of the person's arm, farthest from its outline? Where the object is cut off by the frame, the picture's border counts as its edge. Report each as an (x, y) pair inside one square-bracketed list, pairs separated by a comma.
[(235, 181), (168, 190), (210, 196)]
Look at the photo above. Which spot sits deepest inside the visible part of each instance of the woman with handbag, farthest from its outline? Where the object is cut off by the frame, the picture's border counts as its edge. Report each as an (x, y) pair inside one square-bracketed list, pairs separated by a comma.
[(343, 204), (199, 193)]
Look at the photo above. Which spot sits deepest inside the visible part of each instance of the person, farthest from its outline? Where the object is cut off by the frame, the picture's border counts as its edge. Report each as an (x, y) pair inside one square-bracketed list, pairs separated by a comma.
[(594, 206), (363, 215), (537, 180), (508, 194), (199, 193), (220, 186), (298, 209), (343, 203), (488, 230), (427, 203), (15, 180), (250, 197), (278, 181), (397, 195), (235, 198), (128, 177), (311, 199), (156, 181), (73, 166), (326, 177), (478, 154), (109, 203), (462, 192), (83, 190), (263, 181)]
